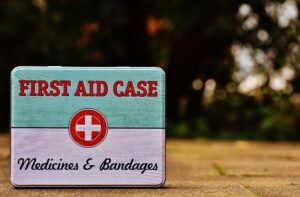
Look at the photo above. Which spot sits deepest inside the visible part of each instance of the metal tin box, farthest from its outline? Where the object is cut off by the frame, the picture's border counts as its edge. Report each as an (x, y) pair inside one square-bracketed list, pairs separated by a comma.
[(87, 126)]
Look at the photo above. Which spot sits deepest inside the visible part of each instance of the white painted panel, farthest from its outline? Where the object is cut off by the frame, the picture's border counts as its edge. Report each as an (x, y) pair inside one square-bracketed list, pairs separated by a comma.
[(121, 145)]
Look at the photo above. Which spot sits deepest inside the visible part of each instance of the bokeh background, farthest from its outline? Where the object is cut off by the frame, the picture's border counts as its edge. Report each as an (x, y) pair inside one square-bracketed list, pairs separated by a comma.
[(232, 66)]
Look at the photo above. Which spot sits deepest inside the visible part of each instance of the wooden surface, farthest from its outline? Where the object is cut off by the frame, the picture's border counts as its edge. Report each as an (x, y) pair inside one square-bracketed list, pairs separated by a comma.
[(200, 168)]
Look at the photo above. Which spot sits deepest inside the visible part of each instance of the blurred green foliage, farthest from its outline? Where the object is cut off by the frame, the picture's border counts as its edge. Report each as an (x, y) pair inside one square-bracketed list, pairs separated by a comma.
[(234, 119), (221, 57)]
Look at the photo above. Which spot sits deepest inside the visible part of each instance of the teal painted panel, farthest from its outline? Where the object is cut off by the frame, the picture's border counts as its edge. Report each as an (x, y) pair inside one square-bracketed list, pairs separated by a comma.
[(56, 111)]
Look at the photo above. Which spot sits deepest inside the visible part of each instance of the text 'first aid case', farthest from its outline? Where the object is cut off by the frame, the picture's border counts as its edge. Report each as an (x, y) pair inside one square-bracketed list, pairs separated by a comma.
[(87, 126)]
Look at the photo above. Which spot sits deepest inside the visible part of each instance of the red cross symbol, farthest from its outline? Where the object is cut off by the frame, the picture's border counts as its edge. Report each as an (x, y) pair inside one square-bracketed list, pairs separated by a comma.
[(88, 128)]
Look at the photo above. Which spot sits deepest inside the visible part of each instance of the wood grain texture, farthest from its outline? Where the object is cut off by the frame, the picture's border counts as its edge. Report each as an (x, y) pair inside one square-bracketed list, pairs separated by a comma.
[(121, 145), (251, 169), (119, 111)]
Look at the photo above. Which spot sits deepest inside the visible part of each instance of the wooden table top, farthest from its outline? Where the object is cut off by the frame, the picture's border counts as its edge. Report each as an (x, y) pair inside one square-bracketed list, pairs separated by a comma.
[(199, 168)]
